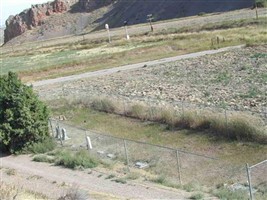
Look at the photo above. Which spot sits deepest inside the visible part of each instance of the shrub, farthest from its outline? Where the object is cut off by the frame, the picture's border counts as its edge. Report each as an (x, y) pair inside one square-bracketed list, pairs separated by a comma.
[(23, 118), (48, 144), (74, 160), (261, 3), (137, 111), (197, 196)]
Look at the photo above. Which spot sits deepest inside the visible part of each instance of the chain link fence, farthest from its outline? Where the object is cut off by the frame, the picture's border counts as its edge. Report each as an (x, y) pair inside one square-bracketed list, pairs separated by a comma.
[(176, 165)]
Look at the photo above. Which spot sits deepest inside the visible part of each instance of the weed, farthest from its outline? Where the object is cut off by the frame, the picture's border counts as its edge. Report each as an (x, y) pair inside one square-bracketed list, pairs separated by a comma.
[(11, 172), (110, 176), (133, 176), (137, 111), (160, 180), (120, 180), (190, 187), (197, 196), (104, 105), (224, 193), (8, 192), (43, 158), (74, 193)]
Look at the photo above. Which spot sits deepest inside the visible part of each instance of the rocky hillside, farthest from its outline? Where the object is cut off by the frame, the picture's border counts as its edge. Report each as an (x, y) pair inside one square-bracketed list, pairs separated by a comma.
[(62, 17), (1, 36)]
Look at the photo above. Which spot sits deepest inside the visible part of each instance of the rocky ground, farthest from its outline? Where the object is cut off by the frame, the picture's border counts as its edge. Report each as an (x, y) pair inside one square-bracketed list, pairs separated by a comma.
[(235, 79)]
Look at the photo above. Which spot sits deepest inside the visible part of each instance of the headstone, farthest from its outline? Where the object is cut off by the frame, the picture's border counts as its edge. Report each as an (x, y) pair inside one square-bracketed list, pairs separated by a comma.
[(88, 142), (141, 165), (64, 134), (58, 135)]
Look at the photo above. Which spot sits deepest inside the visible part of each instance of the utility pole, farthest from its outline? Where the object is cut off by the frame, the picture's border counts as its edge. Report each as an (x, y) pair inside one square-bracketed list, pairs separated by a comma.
[(126, 30), (150, 18), (256, 9), (107, 28)]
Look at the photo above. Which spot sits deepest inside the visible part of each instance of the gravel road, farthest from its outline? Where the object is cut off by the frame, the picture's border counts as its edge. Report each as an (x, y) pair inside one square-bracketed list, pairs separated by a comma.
[(53, 181), (130, 67)]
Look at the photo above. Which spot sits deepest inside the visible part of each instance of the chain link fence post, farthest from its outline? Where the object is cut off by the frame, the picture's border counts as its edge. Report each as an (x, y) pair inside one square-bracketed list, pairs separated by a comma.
[(249, 182), (126, 155), (178, 167)]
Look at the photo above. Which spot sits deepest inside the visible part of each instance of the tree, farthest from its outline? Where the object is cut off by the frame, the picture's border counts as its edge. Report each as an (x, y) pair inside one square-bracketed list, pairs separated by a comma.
[(23, 117)]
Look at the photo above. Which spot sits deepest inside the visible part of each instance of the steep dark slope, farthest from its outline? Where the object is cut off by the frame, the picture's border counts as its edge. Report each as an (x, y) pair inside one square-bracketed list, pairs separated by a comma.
[(136, 11), (62, 17)]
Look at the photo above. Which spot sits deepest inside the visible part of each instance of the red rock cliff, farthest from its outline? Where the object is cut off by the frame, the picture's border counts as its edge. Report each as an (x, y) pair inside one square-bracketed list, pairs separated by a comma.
[(30, 18)]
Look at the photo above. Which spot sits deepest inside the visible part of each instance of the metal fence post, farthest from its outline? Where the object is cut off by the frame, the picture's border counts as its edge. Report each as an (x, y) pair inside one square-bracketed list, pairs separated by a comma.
[(249, 182), (226, 122), (178, 166), (126, 154)]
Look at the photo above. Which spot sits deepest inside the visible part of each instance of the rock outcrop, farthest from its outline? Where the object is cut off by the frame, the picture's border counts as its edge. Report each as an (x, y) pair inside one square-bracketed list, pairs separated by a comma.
[(33, 17)]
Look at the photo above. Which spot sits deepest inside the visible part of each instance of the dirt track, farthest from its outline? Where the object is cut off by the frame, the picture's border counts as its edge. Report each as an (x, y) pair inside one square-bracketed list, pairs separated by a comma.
[(54, 181)]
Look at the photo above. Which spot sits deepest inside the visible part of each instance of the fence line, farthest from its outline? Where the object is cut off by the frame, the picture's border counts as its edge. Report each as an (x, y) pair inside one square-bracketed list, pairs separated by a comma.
[(178, 165)]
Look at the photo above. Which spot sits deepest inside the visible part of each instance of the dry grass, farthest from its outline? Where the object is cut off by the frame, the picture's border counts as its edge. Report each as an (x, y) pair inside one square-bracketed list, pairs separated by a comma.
[(238, 126), (69, 58)]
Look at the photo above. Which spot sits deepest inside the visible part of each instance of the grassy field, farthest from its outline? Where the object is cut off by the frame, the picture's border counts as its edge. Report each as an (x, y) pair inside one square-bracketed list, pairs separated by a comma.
[(91, 55)]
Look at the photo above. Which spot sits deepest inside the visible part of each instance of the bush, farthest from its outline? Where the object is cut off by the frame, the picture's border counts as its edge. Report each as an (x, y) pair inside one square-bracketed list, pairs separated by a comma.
[(23, 118), (78, 159), (48, 144), (261, 3), (197, 196)]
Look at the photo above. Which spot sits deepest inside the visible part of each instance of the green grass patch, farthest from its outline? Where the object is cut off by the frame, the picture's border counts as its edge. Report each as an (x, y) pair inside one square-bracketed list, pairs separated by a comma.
[(197, 196), (49, 144), (224, 193), (43, 158), (78, 159)]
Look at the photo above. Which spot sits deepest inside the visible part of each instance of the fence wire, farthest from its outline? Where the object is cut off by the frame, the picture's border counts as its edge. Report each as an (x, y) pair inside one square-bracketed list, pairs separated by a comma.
[(177, 165)]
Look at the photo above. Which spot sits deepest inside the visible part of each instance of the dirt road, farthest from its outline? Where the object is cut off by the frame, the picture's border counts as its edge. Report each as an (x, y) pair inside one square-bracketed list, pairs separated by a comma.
[(53, 181), (130, 67)]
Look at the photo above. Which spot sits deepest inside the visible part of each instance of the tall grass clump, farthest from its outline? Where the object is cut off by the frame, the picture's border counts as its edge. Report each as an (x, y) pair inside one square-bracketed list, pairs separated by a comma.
[(104, 105), (48, 144), (73, 160), (137, 111)]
